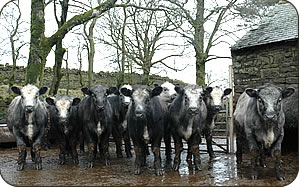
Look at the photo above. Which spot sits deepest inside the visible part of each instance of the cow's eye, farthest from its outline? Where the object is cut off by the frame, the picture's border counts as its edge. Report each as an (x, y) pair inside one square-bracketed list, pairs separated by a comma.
[(147, 100), (186, 98), (279, 100), (259, 100)]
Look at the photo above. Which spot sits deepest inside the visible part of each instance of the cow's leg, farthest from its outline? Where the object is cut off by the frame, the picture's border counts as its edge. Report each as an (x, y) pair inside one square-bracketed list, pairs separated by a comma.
[(167, 139), (73, 149), (189, 156), (178, 150), (22, 155), (262, 159), (127, 144), (62, 153), (138, 159), (32, 154), (196, 154), (157, 161), (104, 144), (254, 157), (279, 173), (208, 137), (116, 133), (81, 142), (91, 157), (37, 156), (239, 146)]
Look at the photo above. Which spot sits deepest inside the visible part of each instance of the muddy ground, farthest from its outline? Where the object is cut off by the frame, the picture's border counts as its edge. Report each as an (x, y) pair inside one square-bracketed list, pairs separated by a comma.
[(223, 170)]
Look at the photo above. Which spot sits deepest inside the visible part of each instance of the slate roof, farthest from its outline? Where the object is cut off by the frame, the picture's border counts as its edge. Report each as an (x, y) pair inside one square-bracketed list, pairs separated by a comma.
[(279, 25)]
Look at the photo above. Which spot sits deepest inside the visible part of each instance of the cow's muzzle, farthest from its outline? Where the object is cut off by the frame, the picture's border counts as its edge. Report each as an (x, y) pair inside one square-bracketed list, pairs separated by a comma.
[(271, 117), (139, 115), (100, 108), (29, 109), (193, 111)]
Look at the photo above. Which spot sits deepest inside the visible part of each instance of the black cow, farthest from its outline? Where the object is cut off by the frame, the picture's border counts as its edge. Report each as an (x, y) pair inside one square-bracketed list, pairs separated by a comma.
[(213, 98), (27, 120), (146, 120), (259, 119), (95, 114), (119, 116), (64, 124), (187, 115)]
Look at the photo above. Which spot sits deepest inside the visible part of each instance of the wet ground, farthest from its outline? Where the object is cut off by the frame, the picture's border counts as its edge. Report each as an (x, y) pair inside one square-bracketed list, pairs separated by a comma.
[(220, 171)]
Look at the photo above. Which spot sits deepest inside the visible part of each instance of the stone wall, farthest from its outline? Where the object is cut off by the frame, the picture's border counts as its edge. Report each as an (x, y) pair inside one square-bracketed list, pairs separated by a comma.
[(276, 63)]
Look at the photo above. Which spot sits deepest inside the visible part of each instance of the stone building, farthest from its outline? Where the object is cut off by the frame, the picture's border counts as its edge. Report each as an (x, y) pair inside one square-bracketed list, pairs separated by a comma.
[(269, 53)]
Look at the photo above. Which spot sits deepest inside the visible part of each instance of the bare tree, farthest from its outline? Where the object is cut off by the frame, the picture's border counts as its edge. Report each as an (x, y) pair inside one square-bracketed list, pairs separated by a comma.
[(143, 34), (12, 25)]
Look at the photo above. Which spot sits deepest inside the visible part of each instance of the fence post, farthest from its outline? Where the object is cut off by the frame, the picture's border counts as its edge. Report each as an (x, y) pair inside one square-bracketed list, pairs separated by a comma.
[(231, 133)]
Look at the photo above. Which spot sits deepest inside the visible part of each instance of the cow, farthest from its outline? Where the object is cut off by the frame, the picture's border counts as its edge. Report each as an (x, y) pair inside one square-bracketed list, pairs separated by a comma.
[(187, 119), (146, 120), (96, 116), (64, 124), (119, 116), (125, 100), (213, 98), (259, 121), (27, 119), (166, 97)]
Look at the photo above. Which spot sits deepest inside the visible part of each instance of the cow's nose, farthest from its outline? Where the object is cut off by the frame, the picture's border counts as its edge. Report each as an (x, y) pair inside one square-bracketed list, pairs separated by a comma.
[(218, 108), (193, 110), (29, 109), (271, 116), (100, 107), (139, 114)]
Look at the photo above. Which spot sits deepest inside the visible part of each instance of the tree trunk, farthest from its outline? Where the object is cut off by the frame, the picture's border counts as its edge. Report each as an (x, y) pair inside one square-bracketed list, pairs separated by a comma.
[(37, 52), (57, 74), (40, 46), (199, 44), (91, 52), (14, 59)]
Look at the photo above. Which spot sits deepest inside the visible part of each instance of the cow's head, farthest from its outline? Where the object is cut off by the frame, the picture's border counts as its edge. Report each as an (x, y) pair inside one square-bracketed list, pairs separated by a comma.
[(99, 95), (126, 100), (63, 108), (268, 98), (192, 96), (140, 99), (168, 93), (29, 96), (213, 97)]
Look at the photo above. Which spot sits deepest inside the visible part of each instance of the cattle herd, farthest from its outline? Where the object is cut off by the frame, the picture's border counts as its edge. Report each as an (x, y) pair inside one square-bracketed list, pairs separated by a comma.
[(145, 116)]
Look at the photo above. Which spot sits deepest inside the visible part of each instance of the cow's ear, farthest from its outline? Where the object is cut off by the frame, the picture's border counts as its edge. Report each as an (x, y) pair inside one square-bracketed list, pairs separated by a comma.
[(112, 90), (208, 90), (156, 91), (50, 101), (76, 101), (126, 92), (16, 90), (43, 90), (251, 92), (86, 90), (288, 92), (179, 90), (227, 91)]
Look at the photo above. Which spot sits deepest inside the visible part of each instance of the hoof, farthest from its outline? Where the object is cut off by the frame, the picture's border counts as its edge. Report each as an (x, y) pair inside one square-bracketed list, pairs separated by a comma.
[(90, 164), (137, 171), (158, 172), (20, 167), (176, 166), (61, 162), (107, 162), (198, 167), (75, 160), (129, 155), (38, 166)]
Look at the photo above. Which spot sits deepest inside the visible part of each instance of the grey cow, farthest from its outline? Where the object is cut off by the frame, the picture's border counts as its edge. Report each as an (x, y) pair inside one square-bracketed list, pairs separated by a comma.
[(259, 119), (27, 119)]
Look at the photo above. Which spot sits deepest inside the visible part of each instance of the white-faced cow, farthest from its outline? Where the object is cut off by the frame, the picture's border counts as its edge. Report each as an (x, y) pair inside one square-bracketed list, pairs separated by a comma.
[(27, 120), (146, 120), (187, 116), (213, 98), (259, 119), (64, 124), (95, 114)]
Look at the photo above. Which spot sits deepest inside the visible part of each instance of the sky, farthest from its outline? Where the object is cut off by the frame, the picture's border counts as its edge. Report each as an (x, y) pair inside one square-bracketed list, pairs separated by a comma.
[(219, 69)]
